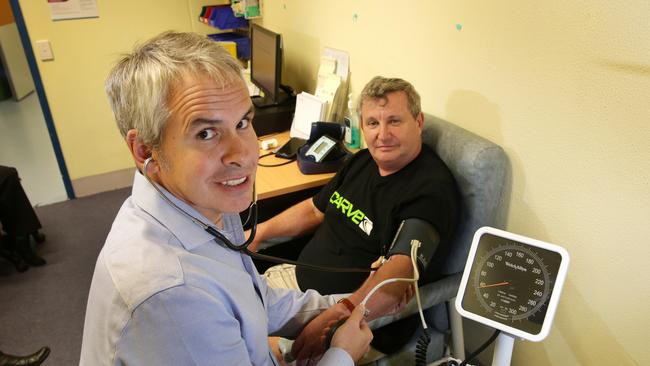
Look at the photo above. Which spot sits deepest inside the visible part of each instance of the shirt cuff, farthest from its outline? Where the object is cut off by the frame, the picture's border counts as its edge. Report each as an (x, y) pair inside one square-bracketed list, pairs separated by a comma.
[(336, 356)]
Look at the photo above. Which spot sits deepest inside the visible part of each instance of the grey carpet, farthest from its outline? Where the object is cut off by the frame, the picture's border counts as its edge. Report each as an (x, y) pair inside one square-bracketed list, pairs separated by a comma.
[(46, 305)]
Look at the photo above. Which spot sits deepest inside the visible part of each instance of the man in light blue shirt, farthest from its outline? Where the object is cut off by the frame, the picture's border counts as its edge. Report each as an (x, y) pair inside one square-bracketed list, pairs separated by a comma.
[(164, 291)]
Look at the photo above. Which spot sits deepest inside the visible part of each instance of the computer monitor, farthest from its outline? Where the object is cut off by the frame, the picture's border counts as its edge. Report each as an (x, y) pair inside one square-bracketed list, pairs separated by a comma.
[(266, 64)]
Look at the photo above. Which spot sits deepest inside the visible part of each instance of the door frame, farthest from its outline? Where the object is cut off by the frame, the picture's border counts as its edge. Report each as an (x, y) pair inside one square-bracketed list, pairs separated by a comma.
[(42, 97)]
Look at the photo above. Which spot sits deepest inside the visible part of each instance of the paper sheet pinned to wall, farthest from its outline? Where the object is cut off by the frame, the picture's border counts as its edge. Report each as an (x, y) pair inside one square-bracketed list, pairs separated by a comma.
[(73, 9)]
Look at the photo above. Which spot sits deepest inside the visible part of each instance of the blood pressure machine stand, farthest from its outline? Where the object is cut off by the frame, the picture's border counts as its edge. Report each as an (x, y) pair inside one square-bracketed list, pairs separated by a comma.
[(490, 243)]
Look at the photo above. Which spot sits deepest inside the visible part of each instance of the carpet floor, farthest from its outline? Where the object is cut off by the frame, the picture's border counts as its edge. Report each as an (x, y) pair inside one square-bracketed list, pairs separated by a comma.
[(46, 305)]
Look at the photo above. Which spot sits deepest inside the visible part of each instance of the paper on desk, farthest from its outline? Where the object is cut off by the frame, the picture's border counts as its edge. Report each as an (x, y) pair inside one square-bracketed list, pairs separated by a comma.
[(309, 108)]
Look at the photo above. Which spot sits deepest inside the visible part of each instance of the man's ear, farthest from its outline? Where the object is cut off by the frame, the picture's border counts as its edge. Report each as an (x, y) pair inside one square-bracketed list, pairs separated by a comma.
[(420, 120), (139, 150)]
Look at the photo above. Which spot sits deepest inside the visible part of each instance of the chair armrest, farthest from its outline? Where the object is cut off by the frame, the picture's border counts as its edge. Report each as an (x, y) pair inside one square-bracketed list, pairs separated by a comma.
[(431, 294)]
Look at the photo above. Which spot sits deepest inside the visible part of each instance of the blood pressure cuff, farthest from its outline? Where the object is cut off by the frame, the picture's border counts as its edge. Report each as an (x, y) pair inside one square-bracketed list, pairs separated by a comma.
[(416, 229)]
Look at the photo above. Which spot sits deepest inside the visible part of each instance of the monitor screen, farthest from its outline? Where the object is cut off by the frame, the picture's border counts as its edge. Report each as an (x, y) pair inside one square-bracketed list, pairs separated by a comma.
[(266, 62)]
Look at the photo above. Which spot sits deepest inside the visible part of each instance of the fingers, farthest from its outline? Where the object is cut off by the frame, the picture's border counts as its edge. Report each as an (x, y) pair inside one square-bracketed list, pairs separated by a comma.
[(309, 343), (357, 314), (354, 335), (297, 346), (306, 347)]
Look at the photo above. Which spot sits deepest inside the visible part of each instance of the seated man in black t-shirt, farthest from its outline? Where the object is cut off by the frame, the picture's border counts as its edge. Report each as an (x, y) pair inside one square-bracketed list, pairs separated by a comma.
[(356, 215)]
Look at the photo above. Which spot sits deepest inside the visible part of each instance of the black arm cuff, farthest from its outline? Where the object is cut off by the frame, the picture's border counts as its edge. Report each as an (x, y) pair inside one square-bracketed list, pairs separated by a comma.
[(416, 229)]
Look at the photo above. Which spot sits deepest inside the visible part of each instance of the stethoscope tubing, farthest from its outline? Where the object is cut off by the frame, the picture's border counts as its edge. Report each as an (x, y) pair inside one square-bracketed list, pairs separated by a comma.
[(252, 208)]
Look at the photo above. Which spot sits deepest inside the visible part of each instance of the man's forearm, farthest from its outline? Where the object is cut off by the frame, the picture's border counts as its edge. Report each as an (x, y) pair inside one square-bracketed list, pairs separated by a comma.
[(297, 220), (387, 298)]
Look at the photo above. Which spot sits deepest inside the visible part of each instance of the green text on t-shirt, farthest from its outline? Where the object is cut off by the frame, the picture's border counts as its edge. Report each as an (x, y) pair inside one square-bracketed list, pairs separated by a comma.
[(347, 208)]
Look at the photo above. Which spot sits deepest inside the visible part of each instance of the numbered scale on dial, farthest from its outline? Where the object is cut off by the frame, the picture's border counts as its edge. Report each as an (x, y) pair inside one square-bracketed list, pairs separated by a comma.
[(512, 283)]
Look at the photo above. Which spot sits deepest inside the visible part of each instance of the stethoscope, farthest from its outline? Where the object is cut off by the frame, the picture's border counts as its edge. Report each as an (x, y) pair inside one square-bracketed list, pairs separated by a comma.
[(252, 215)]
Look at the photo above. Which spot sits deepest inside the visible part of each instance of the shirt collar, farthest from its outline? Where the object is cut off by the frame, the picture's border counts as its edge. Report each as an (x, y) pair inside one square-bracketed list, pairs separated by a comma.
[(190, 234)]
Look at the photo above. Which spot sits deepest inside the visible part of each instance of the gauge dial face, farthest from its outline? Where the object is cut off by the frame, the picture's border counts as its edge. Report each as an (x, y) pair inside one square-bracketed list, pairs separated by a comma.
[(511, 282)]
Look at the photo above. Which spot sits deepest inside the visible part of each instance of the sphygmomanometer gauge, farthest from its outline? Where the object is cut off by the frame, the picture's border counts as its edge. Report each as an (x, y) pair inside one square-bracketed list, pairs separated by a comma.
[(512, 283)]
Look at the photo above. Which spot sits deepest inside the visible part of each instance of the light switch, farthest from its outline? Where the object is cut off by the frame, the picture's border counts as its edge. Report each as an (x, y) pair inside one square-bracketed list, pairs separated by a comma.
[(44, 50)]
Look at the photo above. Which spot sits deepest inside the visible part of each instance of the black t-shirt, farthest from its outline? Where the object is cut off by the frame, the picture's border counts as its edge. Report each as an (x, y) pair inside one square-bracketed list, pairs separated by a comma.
[(363, 211)]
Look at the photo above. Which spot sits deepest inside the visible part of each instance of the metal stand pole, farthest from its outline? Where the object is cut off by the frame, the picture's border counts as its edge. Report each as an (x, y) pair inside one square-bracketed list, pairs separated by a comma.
[(456, 325), (503, 350)]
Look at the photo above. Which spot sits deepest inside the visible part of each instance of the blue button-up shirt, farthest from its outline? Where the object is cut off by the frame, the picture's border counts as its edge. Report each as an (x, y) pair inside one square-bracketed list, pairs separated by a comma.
[(164, 292)]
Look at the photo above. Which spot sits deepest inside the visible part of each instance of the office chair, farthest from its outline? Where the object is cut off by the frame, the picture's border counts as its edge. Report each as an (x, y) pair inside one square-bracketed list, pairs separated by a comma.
[(481, 170)]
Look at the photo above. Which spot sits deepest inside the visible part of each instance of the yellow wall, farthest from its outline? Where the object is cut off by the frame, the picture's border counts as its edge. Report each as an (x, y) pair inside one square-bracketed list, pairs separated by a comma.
[(564, 87), (84, 51)]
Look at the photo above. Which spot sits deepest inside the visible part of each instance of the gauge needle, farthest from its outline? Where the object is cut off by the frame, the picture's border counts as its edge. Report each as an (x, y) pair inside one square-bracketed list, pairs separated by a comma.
[(495, 284)]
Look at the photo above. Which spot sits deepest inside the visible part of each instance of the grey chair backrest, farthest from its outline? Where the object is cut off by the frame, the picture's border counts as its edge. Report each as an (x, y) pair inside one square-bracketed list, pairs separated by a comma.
[(481, 170)]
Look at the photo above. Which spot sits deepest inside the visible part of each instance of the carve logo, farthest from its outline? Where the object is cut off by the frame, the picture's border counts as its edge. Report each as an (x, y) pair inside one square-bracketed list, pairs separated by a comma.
[(356, 216), (366, 225)]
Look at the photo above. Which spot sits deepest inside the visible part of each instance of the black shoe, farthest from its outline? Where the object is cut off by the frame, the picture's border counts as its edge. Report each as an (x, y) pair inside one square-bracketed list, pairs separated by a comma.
[(16, 260), (34, 359), (23, 247)]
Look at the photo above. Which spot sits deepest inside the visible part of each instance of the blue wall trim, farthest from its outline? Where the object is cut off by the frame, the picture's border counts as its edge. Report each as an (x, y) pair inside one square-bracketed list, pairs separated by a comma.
[(40, 91)]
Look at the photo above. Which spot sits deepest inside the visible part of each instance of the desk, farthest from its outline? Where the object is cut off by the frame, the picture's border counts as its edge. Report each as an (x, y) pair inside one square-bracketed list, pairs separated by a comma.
[(276, 181)]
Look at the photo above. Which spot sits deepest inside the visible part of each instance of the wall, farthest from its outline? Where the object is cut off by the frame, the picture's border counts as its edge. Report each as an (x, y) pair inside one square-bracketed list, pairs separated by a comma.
[(564, 87), (84, 51)]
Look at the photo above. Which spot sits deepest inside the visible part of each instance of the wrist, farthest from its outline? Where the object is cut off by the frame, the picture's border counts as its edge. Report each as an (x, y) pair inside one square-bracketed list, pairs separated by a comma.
[(345, 306), (356, 298)]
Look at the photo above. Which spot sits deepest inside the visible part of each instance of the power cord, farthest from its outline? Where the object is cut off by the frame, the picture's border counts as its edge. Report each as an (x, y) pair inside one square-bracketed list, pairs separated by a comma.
[(273, 165), (478, 351)]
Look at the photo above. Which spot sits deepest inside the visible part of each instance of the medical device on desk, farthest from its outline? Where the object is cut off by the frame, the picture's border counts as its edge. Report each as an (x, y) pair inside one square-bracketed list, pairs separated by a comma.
[(513, 284), (324, 152)]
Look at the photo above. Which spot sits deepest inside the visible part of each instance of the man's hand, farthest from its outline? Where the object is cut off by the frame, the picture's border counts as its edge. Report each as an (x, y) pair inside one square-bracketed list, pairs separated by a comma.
[(354, 335), (309, 344)]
